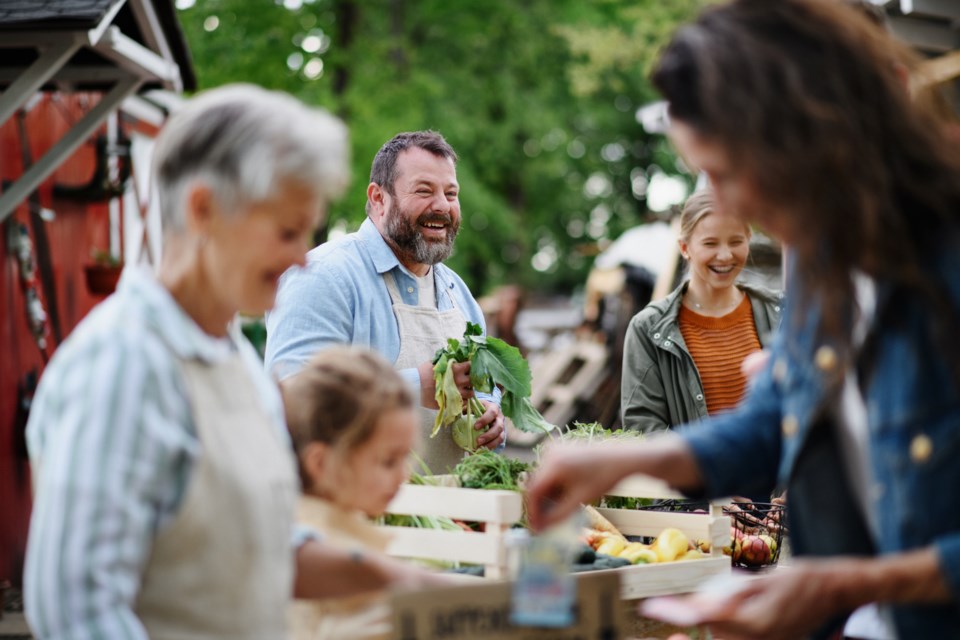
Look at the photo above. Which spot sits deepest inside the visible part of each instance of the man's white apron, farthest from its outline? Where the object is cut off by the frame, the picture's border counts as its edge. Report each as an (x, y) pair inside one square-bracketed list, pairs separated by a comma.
[(423, 330)]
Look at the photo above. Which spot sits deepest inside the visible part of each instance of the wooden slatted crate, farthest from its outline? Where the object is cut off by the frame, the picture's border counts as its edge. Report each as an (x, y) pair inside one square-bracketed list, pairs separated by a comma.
[(500, 510), (497, 510), (644, 581)]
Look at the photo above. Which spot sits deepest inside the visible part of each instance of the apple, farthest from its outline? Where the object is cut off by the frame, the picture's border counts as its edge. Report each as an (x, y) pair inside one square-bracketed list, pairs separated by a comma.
[(756, 551), (770, 543), (692, 554)]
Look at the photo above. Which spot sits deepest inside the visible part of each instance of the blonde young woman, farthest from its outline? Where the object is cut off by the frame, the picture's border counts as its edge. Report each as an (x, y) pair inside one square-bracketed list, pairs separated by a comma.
[(682, 355)]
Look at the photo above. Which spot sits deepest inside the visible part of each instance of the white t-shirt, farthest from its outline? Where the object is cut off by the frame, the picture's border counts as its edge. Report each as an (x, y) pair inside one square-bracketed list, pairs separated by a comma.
[(872, 621), (428, 296)]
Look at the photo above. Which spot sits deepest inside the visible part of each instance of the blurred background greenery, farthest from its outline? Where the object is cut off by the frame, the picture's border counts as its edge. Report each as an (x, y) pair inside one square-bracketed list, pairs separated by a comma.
[(539, 97)]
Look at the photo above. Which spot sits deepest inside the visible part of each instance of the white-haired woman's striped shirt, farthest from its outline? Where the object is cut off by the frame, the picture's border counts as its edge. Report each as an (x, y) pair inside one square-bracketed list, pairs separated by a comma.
[(112, 434)]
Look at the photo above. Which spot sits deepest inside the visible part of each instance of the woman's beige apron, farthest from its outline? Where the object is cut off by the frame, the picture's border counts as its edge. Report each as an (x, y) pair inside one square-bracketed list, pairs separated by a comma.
[(423, 330), (360, 617), (223, 568)]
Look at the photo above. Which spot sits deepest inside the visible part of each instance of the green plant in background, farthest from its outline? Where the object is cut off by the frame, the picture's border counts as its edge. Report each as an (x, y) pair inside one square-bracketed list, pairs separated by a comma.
[(255, 331), (104, 258), (538, 97)]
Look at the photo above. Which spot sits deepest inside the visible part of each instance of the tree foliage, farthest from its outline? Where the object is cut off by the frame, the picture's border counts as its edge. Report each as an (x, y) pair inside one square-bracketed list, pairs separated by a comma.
[(537, 96)]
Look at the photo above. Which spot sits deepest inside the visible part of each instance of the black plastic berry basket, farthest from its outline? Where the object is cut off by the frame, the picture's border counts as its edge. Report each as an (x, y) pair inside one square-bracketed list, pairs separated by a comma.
[(756, 530)]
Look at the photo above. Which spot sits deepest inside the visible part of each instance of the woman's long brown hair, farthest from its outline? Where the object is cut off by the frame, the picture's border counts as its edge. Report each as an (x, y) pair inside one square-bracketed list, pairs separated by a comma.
[(810, 101)]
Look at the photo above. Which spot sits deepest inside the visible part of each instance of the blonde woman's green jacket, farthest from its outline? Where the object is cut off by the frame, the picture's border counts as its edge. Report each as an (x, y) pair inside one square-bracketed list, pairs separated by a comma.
[(660, 385)]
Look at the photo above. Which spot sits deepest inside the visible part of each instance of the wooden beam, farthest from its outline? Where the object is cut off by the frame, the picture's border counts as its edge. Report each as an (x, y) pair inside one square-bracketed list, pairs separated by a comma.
[(938, 70), (86, 74), (129, 54), (153, 35), (51, 59), (60, 151), (949, 9), (927, 35)]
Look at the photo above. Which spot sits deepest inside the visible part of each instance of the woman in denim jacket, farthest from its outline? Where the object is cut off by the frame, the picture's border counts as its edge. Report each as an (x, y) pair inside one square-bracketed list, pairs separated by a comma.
[(797, 111)]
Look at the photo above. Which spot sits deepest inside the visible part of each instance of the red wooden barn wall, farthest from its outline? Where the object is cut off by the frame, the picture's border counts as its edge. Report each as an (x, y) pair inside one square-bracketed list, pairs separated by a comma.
[(77, 230)]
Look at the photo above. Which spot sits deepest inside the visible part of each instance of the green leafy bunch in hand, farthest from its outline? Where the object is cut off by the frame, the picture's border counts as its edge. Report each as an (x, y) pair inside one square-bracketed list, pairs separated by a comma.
[(492, 362)]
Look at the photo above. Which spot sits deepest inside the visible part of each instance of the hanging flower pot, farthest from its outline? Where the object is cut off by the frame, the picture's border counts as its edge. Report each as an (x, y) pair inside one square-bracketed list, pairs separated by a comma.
[(103, 274)]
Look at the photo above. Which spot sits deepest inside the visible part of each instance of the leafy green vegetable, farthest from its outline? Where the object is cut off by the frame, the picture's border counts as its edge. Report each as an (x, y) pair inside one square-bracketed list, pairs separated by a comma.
[(447, 395), (420, 522), (463, 431), (524, 415), (499, 362), (589, 432), (489, 470), (623, 502), (493, 362)]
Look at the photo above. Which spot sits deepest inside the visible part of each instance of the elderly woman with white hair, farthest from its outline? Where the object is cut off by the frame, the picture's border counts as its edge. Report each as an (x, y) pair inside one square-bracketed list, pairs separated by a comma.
[(165, 478)]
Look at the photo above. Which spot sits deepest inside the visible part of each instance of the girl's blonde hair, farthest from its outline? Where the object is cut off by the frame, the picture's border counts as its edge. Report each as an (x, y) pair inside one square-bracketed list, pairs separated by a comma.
[(338, 397), (696, 208)]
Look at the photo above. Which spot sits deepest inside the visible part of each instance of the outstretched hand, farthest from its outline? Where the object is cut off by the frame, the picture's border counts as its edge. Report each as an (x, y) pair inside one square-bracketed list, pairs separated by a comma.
[(568, 476), (788, 604)]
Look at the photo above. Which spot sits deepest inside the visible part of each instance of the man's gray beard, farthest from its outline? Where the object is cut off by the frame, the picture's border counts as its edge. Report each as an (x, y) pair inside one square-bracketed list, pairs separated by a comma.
[(406, 236)]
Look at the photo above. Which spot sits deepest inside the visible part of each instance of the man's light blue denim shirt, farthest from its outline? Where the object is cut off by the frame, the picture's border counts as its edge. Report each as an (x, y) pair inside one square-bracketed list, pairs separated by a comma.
[(340, 297)]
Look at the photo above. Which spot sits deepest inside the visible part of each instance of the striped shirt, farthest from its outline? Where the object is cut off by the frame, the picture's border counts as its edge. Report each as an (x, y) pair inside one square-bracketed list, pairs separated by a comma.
[(112, 437), (718, 347)]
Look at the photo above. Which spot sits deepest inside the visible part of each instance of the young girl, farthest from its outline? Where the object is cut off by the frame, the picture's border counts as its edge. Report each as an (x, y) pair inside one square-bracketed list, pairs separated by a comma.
[(354, 425)]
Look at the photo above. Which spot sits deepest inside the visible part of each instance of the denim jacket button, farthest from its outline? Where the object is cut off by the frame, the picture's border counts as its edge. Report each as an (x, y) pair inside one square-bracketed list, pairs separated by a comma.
[(779, 370), (789, 426), (667, 344), (921, 448), (826, 358), (409, 289), (699, 397), (656, 336)]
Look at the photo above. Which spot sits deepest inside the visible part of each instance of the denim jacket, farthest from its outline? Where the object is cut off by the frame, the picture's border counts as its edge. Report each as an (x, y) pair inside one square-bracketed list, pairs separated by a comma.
[(913, 413)]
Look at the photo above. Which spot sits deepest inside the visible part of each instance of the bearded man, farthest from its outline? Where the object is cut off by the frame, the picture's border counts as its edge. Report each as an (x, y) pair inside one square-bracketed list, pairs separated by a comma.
[(386, 287)]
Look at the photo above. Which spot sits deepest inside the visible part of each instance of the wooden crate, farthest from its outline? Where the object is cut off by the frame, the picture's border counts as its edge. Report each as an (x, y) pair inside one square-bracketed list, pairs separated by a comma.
[(644, 581), (499, 510)]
